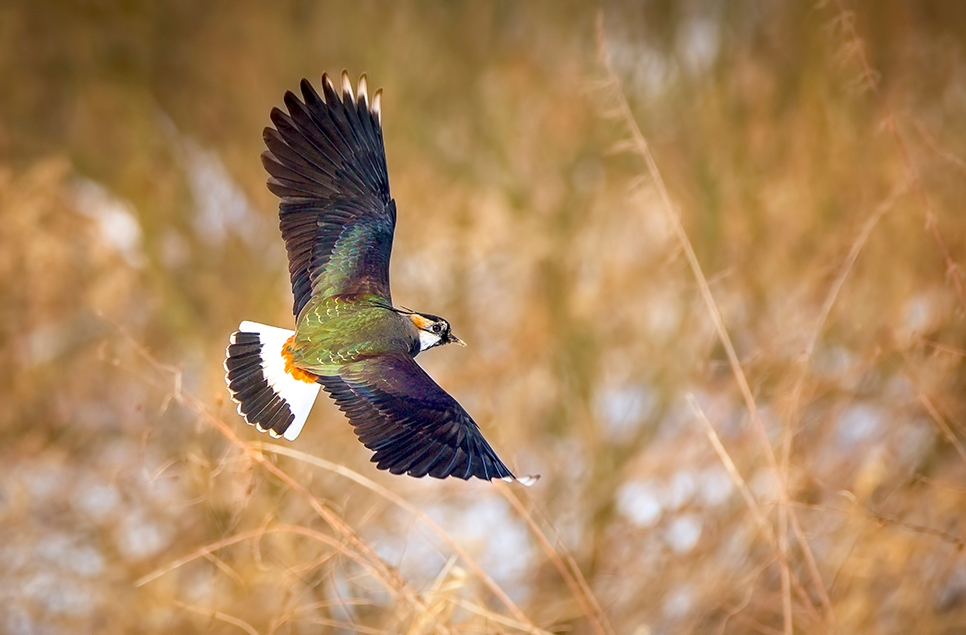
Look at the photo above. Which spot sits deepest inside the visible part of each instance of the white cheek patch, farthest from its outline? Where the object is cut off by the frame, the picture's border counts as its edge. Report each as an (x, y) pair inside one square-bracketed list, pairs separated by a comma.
[(428, 340)]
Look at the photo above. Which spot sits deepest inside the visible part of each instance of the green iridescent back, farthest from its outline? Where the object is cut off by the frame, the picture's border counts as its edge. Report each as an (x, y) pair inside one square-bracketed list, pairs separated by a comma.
[(337, 330)]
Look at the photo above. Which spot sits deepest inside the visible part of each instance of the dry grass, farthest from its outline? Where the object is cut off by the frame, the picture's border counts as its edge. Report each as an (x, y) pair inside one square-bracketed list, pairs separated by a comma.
[(708, 261)]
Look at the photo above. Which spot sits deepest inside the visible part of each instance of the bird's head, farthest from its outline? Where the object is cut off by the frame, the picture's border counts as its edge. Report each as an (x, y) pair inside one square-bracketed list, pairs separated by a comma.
[(433, 331)]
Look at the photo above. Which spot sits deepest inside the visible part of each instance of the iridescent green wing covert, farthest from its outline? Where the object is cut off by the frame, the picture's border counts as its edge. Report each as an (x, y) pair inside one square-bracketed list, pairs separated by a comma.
[(412, 424), (328, 165)]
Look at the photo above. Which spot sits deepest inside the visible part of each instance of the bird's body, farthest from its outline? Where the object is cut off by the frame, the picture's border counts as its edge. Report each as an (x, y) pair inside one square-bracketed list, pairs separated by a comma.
[(337, 330), (327, 164)]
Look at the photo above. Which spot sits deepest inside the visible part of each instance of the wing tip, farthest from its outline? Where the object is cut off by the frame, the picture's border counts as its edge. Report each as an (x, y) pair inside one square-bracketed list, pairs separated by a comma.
[(346, 86), (360, 95), (362, 90), (327, 84), (527, 481), (376, 108)]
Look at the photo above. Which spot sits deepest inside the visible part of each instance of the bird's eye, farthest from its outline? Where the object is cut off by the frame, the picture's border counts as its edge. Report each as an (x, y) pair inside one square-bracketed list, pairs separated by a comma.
[(436, 328)]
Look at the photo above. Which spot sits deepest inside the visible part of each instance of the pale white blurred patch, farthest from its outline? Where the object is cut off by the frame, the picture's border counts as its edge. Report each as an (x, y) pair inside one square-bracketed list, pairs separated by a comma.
[(221, 207), (919, 313), (923, 313), (116, 219), (485, 524), (699, 41), (680, 489), (859, 423), (714, 486), (57, 594), (648, 71), (622, 409), (139, 537), (764, 485), (832, 361), (678, 602), (97, 500), (641, 502), (683, 533), (63, 551)]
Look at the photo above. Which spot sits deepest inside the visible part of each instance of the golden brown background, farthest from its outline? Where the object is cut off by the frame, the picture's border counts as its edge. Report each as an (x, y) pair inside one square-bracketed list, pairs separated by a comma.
[(815, 154)]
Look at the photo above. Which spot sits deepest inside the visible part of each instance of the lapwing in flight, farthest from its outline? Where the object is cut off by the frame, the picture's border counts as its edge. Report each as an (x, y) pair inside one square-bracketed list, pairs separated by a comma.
[(327, 164)]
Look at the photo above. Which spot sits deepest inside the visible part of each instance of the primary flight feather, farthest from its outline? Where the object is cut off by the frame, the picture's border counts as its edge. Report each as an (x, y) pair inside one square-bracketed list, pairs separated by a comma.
[(327, 164)]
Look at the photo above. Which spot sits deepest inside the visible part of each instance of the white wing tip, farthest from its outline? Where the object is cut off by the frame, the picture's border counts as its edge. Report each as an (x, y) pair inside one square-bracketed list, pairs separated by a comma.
[(362, 90), (377, 105), (526, 481), (346, 85)]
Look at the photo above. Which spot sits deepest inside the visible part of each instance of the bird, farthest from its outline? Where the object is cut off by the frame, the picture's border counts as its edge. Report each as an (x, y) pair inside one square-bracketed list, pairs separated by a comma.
[(326, 162)]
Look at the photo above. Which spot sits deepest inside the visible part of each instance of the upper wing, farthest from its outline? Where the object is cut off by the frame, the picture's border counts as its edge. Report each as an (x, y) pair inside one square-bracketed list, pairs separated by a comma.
[(411, 423), (328, 165)]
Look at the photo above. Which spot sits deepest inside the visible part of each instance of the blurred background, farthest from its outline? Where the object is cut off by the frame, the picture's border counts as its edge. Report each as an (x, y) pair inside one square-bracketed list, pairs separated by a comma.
[(816, 155)]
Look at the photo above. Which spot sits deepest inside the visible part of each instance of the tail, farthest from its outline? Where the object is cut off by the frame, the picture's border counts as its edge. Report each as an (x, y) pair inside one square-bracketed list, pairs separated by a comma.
[(271, 394)]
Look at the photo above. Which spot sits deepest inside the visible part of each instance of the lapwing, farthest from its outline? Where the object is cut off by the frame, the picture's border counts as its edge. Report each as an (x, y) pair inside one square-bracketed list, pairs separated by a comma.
[(327, 164)]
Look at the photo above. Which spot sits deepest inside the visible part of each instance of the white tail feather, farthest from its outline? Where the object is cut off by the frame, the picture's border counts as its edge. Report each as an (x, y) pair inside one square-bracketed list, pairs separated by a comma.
[(298, 394)]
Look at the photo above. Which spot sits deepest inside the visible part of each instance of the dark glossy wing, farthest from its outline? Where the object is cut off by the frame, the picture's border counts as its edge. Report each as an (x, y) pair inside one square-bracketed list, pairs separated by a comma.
[(328, 165), (412, 424)]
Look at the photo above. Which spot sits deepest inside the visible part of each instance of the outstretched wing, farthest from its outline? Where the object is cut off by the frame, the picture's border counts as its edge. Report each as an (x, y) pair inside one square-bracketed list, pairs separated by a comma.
[(412, 424), (328, 165)]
